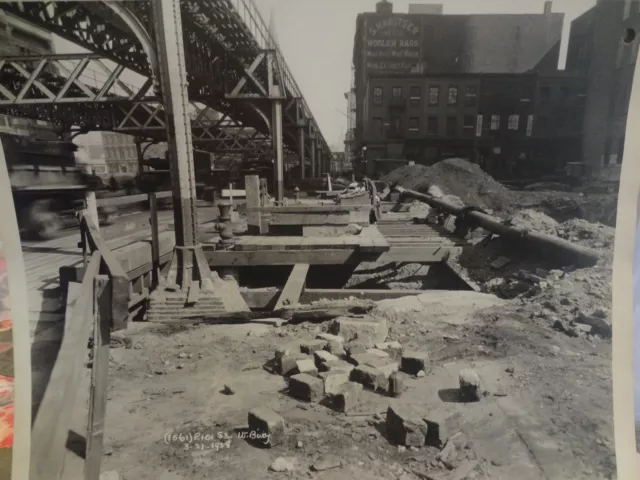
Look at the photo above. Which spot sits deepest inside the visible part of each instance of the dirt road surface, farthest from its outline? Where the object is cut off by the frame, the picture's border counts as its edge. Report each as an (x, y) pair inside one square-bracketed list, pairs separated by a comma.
[(547, 415)]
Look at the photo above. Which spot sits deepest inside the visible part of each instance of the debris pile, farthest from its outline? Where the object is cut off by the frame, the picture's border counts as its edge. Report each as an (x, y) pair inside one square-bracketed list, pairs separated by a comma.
[(455, 176)]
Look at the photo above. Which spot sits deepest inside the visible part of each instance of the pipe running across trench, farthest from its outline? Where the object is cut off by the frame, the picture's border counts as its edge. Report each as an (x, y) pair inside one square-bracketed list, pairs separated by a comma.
[(581, 256)]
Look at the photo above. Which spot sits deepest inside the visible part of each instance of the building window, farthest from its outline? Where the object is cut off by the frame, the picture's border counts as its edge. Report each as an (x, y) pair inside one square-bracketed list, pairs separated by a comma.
[(415, 97), (529, 125), (495, 122), (377, 126), (452, 126), (514, 122), (452, 97), (396, 92), (479, 126), (471, 96), (396, 125), (564, 93), (468, 125), (432, 125), (377, 95), (434, 95), (545, 95), (414, 125)]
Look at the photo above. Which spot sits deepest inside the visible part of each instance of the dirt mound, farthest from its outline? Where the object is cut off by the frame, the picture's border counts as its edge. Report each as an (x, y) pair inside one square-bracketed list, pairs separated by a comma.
[(455, 176), (533, 220)]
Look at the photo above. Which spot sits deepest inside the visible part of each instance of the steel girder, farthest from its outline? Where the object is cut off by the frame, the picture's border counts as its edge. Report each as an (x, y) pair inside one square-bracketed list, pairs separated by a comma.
[(57, 88), (222, 40)]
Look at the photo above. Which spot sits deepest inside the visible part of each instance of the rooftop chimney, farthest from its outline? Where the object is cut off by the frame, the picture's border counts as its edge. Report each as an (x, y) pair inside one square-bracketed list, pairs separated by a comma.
[(384, 7), (547, 6)]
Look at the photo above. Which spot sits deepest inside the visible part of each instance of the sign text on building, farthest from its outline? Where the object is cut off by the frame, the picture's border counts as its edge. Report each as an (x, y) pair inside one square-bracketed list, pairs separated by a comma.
[(393, 44)]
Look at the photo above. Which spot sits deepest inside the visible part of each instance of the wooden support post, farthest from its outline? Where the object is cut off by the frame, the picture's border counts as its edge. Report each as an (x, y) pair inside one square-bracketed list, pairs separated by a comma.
[(99, 377), (252, 187), (155, 246), (295, 284)]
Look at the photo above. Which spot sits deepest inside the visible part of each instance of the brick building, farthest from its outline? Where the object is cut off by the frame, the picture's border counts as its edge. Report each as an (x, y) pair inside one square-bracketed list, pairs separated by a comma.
[(525, 123), (598, 50), (416, 100)]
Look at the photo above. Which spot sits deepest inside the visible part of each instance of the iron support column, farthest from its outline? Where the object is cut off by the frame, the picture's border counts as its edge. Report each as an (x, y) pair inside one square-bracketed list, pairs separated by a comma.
[(276, 131), (313, 158), (301, 154), (174, 93)]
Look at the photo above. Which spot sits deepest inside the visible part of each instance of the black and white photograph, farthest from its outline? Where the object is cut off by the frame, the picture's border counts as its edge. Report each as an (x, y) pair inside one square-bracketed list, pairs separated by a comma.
[(318, 239)]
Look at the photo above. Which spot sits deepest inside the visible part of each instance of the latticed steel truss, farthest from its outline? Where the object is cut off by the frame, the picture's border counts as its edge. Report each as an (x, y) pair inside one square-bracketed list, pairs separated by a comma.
[(63, 89), (223, 39)]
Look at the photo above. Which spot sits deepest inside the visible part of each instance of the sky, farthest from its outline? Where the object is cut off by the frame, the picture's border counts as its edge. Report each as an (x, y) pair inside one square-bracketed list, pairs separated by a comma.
[(316, 38)]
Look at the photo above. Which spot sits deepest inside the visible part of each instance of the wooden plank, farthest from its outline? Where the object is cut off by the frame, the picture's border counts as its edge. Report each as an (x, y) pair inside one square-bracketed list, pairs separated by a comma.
[(99, 377), (51, 426), (426, 254), (117, 274), (281, 257), (312, 209), (194, 292), (265, 299), (294, 286), (320, 218)]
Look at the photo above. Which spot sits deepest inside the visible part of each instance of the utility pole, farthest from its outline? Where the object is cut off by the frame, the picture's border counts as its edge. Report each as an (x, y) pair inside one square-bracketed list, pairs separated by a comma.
[(189, 280)]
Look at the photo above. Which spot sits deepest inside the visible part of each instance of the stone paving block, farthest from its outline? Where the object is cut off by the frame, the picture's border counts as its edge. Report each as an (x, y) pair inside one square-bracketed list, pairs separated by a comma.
[(389, 367), (312, 346), (349, 397), (470, 390), (370, 377), (322, 356), (306, 387), (377, 352), (394, 349), (268, 425), (405, 427), (339, 365), (307, 365), (413, 362), (441, 425), (362, 359), (333, 381), (365, 330), (335, 343), (288, 364), (355, 348)]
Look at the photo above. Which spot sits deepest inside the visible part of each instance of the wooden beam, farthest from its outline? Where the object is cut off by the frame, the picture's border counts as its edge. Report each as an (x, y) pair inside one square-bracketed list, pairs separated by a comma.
[(223, 258), (319, 218), (295, 284), (311, 209), (99, 377), (51, 427), (264, 299), (119, 279), (430, 254)]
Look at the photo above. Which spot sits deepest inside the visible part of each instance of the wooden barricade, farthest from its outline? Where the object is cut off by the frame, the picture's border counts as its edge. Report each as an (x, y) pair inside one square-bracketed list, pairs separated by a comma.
[(96, 306)]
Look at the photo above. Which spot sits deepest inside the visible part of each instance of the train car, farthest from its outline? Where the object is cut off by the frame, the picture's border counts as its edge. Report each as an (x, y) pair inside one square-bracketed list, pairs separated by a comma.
[(46, 182)]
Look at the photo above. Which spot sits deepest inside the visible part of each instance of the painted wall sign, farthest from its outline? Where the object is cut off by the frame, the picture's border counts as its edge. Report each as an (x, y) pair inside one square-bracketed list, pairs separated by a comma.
[(393, 44)]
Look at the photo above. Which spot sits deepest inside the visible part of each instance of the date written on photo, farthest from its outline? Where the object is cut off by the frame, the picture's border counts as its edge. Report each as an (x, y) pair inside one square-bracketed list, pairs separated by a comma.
[(209, 440), (199, 440)]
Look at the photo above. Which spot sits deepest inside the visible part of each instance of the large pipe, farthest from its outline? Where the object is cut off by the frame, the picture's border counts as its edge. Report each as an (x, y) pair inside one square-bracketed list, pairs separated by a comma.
[(581, 256)]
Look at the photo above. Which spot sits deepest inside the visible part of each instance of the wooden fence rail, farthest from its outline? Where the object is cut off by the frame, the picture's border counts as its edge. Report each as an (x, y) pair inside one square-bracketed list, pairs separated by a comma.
[(96, 306)]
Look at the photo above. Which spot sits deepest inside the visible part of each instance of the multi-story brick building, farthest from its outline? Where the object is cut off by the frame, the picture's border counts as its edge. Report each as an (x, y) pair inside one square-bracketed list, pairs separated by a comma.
[(418, 78), (603, 48), (120, 153), (528, 123)]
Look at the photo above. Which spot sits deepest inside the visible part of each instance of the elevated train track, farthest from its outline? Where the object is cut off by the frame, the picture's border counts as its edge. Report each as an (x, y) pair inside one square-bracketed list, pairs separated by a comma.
[(232, 64)]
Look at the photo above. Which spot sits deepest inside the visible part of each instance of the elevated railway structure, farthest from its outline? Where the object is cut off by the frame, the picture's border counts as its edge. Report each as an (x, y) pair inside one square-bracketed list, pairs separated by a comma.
[(233, 66)]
